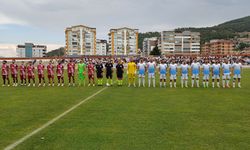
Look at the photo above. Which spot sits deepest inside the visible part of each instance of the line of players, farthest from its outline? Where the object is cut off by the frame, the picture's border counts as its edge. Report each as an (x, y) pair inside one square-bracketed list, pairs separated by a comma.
[(206, 69), (95, 68)]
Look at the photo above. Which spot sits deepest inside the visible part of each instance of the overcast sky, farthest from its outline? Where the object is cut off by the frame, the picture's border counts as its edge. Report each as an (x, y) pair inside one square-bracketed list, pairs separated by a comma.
[(44, 21)]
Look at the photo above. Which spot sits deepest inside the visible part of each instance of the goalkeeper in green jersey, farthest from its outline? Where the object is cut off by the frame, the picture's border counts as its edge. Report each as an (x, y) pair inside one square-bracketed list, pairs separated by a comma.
[(81, 72)]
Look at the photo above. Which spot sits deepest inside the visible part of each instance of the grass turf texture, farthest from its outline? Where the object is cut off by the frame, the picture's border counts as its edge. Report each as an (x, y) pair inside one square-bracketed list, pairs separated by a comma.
[(128, 118)]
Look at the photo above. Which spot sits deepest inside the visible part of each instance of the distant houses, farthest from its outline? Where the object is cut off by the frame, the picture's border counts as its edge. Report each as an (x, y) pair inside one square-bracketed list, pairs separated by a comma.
[(81, 40), (30, 50)]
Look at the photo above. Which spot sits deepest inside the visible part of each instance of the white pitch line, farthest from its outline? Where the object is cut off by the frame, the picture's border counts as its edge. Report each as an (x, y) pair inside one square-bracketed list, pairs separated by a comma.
[(13, 145)]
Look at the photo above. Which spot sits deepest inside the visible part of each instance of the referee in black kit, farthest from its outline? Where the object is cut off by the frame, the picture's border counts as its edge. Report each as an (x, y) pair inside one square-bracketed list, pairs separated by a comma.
[(119, 72), (109, 72)]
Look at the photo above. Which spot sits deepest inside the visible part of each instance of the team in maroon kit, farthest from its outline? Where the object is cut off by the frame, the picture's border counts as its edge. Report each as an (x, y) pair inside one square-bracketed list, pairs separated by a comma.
[(14, 73), (5, 73), (50, 72), (31, 73), (40, 69), (27, 73), (60, 71), (71, 72), (22, 70), (91, 73)]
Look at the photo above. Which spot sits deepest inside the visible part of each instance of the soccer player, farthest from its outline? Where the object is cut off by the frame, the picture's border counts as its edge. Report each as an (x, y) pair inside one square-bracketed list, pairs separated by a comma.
[(99, 73), (237, 67), (14, 72), (226, 74), (60, 73), (22, 69), (5, 73), (141, 66), (131, 72), (40, 70), (119, 72), (151, 72), (109, 72), (206, 74), (91, 73), (163, 73), (50, 72), (173, 73), (184, 74), (195, 66), (71, 72), (81, 72), (31, 73), (216, 73)]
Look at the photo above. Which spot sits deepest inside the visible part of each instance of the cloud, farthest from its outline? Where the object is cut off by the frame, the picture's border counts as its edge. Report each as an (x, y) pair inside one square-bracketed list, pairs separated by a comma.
[(58, 14), (7, 20), (49, 18)]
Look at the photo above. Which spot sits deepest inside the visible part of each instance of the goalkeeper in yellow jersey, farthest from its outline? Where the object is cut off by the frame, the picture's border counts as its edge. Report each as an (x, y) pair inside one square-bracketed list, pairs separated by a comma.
[(131, 72)]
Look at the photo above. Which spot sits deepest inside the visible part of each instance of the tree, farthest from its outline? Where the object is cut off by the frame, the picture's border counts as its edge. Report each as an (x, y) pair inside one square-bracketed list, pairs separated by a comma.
[(142, 36), (56, 52), (242, 46), (156, 51)]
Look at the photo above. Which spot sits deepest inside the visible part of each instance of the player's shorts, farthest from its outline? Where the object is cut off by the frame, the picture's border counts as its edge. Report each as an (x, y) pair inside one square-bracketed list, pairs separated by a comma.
[(237, 76), (109, 75), (151, 75), (40, 76), (14, 75), (50, 76), (184, 76), (142, 72), (119, 75), (70, 75), (99, 75), (59, 74), (173, 77), (216, 76), (141, 75), (22, 76), (59, 77), (91, 76), (196, 72), (195, 76), (31, 77), (163, 76), (206, 77), (131, 75), (226, 76), (4, 76)]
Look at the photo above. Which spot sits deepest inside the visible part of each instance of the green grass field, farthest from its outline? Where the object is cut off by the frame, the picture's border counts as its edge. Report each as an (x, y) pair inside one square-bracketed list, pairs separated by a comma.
[(127, 118)]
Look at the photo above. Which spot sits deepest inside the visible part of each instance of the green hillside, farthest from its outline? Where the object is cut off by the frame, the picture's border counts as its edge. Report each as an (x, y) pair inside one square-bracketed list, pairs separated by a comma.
[(225, 30), (142, 36), (56, 52)]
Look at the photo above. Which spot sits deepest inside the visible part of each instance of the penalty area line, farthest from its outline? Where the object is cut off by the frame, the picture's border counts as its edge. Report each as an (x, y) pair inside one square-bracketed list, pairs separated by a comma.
[(21, 140)]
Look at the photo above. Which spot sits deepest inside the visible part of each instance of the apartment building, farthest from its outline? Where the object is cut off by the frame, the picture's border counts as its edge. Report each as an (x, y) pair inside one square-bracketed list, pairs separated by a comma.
[(80, 40), (148, 45), (123, 41), (179, 42), (29, 50), (101, 47), (218, 47)]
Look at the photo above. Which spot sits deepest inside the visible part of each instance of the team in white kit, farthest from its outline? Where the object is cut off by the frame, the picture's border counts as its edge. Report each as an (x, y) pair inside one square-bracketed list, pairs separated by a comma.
[(197, 71)]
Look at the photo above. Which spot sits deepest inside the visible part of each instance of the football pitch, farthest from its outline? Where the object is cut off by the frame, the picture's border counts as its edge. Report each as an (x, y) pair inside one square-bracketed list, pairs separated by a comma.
[(114, 118)]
